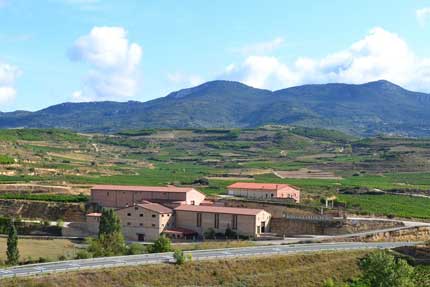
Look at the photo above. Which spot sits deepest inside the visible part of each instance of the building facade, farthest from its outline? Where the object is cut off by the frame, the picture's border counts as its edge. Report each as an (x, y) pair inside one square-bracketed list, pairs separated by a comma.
[(145, 222), (264, 191), (243, 221), (117, 196)]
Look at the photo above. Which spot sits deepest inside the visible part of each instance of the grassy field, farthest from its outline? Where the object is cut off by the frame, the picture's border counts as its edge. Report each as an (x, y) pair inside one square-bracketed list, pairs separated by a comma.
[(398, 205), (293, 270), (49, 249)]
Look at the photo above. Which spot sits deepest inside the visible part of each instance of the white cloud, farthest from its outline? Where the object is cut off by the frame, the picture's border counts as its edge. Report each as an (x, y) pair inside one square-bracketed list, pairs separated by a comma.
[(379, 55), (260, 48), (185, 80), (422, 15), (8, 76), (114, 62)]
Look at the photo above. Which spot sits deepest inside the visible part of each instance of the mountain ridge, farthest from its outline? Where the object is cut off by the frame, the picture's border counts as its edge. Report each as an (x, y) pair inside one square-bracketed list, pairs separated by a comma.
[(360, 109)]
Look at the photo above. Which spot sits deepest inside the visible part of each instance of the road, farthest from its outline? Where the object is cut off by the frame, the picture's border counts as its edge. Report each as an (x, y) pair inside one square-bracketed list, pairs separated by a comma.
[(156, 258)]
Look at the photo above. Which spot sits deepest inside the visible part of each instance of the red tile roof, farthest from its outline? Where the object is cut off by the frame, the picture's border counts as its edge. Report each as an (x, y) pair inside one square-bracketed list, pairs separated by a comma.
[(142, 188), (257, 186), (156, 207), (219, 209)]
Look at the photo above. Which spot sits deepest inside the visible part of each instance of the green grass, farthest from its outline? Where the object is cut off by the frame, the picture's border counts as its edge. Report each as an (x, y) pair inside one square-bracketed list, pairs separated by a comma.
[(45, 197), (397, 205), (5, 159)]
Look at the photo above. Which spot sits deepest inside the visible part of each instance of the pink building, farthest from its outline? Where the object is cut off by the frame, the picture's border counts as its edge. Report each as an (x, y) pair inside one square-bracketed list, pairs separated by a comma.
[(118, 196), (264, 190)]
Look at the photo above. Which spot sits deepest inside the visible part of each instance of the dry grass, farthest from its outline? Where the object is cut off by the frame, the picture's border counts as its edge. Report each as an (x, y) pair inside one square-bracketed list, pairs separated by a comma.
[(47, 248), (214, 245), (294, 270)]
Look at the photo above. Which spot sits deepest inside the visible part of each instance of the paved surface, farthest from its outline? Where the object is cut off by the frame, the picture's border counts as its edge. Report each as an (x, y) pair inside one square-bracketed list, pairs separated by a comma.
[(73, 265)]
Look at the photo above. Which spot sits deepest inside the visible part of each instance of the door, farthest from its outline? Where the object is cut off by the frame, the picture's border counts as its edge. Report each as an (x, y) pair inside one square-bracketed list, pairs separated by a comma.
[(140, 237), (263, 227)]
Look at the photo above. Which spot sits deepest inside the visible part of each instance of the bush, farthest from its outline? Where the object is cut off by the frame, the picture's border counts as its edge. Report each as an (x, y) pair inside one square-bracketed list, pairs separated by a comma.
[(83, 254), (230, 234), (135, 248), (180, 257), (162, 244), (209, 234)]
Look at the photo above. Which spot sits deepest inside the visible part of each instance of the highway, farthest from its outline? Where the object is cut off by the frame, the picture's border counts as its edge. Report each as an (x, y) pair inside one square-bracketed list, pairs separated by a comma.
[(156, 258)]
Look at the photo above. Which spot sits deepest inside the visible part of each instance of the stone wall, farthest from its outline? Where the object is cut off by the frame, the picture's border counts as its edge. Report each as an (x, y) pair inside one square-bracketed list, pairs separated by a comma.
[(42, 210), (293, 227), (421, 233)]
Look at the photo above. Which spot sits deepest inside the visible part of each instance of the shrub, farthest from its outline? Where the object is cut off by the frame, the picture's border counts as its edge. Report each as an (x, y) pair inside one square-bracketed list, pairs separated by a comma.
[(135, 248), (83, 254), (209, 234), (180, 257), (230, 234), (162, 244)]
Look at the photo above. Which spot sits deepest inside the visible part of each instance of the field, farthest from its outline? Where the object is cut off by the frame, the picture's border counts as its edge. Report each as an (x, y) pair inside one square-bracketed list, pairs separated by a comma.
[(293, 270), (50, 249), (389, 205), (317, 161)]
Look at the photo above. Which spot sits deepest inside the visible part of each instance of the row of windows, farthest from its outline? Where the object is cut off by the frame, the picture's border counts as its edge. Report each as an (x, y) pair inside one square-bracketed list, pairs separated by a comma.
[(141, 224), (141, 215), (216, 220)]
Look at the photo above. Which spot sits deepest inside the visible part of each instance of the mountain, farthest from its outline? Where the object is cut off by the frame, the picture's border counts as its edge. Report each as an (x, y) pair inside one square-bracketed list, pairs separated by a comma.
[(367, 109)]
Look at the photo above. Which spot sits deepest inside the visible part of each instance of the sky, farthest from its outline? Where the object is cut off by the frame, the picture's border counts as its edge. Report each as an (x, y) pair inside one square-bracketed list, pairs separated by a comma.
[(55, 51)]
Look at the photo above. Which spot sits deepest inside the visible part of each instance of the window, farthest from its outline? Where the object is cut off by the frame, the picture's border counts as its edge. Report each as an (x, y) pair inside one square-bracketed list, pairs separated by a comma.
[(141, 215), (128, 223), (234, 222), (136, 208), (153, 215), (162, 215), (141, 224), (216, 221), (107, 194), (271, 195), (153, 225), (128, 214), (199, 219)]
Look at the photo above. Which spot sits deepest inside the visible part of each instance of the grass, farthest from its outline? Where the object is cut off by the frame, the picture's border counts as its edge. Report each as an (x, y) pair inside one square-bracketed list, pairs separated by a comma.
[(303, 270), (5, 159), (50, 249), (45, 197), (397, 205)]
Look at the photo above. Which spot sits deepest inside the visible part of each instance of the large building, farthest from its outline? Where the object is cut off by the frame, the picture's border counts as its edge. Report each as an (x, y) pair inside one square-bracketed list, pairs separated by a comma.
[(146, 212), (264, 190), (118, 196), (243, 221)]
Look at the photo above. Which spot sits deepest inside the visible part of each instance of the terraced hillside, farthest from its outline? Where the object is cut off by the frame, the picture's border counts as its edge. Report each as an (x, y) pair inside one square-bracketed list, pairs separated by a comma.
[(320, 162)]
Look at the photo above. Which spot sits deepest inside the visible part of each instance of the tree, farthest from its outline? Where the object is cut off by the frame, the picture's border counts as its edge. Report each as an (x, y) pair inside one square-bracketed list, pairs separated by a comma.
[(109, 222), (381, 269), (12, 245), (162, 244), (110, 241)]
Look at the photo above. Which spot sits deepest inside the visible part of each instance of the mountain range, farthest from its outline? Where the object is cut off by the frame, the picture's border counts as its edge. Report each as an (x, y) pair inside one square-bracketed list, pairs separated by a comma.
[(379, 107)]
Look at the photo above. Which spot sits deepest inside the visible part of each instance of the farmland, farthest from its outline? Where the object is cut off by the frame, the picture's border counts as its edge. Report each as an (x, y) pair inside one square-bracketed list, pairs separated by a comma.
[(317, 161)]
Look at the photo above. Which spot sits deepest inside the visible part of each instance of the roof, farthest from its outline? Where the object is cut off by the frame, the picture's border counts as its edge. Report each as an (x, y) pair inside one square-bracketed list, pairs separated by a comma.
[(156, 207), (219, 209), (259, 186), (94, 214), (179, 230), (142, 188)]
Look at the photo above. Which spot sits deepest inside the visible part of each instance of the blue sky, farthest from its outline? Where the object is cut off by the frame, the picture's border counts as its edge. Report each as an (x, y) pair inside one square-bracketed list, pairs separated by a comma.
[(53, 51)]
